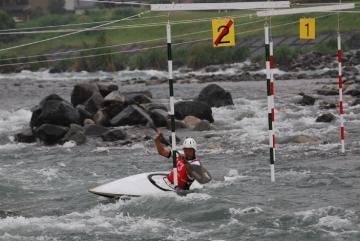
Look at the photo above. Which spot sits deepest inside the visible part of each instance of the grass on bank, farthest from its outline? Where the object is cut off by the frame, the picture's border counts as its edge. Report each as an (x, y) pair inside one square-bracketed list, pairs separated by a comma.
[(194, 55)]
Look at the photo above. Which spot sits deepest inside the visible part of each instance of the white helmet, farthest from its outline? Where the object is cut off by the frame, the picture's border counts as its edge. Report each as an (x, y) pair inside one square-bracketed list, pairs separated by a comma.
[(189, 143)]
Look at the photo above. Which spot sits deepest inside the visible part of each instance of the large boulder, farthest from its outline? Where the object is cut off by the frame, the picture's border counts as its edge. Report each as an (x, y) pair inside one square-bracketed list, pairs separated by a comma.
[(215, 96), (198, 109), (25, 136), (328, 117), (84, 114), (129, 116), (95, 130), (51, 134), (114, 103), (107, 89), (82, 92), (54, 110), (94, 103), (159, 117), (138, 98), (114, 135), (76, 133), (307, 100)]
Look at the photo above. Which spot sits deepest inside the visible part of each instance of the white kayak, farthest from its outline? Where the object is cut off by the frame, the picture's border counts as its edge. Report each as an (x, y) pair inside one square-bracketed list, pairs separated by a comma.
[(139, 185)]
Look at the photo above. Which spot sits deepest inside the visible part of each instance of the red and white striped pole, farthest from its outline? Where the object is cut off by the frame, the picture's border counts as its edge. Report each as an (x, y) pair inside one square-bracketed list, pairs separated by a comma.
[(341, 106), (270, 99)]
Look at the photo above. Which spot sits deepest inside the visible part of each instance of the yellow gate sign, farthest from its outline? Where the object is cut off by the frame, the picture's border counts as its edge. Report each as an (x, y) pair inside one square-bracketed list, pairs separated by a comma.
[(307, 28), (223, 32)]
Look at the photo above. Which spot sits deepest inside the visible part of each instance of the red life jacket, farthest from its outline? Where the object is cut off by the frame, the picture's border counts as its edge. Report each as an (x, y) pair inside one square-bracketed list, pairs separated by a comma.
[(184, 179)]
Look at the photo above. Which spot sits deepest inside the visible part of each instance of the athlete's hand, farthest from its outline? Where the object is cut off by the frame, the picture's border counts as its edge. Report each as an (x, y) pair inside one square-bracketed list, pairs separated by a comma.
[(158, 136)]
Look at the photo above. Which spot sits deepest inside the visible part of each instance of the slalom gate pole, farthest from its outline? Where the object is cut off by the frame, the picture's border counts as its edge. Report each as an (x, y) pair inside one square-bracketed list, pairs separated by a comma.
[(341, 107), (270, 99), (172, 109)]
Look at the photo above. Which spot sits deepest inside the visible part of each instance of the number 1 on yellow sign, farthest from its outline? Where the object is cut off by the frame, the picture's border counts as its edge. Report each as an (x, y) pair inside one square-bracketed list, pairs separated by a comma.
[(307, 28)]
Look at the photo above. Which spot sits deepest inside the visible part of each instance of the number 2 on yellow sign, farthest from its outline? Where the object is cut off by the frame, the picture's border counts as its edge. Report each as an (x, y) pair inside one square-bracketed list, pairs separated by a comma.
[(307, 28)]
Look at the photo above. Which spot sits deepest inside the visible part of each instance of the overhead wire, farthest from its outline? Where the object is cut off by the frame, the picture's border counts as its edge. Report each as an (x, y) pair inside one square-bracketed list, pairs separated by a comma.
[(147, 48), (130, 26), (68, 34), (120, 45), (78, 24)]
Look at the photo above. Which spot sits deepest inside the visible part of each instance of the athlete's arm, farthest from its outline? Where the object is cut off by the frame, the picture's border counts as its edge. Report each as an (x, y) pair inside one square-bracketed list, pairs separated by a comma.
[(162, 150)]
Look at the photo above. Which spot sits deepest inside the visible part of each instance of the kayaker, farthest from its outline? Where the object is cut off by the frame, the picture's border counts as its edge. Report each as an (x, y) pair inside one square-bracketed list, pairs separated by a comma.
[(189, 153)]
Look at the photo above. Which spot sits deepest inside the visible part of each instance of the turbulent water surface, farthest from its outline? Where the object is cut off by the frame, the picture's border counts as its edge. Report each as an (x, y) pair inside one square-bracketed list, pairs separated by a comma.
[(316, 195)]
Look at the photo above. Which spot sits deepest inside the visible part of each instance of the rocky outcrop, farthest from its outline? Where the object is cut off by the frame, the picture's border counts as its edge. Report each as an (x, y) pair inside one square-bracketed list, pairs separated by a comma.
[(215, 96), (328, 117), (306, 100), (56, 111), (114, 135), (194, 108), (129, 116), (82, 92), (76, 133), (51, 134)]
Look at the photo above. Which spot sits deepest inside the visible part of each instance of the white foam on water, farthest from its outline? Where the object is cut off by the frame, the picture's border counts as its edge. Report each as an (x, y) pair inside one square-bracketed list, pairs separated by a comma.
[(69, 144), (245, 211), (333, 220), (102, 218), (48, 173), (12, 146), (14, 120), (335, 223)]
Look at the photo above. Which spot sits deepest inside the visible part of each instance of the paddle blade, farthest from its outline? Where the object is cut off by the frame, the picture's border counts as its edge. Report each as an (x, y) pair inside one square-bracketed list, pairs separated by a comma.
[(199, 173)]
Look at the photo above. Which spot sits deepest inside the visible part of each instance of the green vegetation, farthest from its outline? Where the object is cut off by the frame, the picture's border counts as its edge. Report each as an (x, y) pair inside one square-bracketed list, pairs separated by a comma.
[(130, 32)]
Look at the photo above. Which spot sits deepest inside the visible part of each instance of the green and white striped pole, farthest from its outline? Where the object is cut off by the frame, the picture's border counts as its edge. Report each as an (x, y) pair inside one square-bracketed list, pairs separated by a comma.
[(270, 100), (172, 109)]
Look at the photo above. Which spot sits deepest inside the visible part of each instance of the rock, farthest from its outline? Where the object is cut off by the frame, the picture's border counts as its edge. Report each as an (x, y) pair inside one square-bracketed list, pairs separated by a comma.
[(54, 110), (203, 125), (82, 92), (94, 130), (137, 98), (112, 108), (328, 117), (114, 135), (51, 134), (101, 118), (107, 89), (356, 102), (25, 136), (151, 106), (75, 133), (89, 122), (325, 105), (198, 109), (94, 103), (328, 91), (129, 116), (159, 117), (115, 96), (136, 93), (84, 114), (178, 125), (215, 96), (191, 121), (353, 92), (307, 100)]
